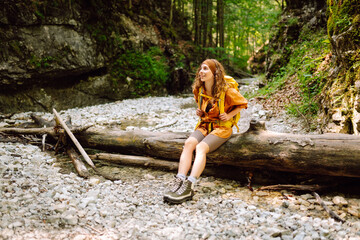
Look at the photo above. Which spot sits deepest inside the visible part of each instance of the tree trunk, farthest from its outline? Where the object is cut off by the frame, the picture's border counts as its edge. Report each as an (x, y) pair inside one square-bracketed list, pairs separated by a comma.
[(197, 14), (223, 171), (204, 22), (220, 22), (327, 154), (171, 11), (210, 24)]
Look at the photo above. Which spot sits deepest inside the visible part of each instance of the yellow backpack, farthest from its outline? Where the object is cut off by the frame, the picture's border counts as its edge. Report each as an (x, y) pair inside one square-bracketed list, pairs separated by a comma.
[(230, 81)]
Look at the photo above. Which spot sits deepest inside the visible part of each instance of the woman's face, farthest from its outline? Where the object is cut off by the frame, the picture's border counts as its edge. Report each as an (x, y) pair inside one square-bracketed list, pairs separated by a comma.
[(205, 73)]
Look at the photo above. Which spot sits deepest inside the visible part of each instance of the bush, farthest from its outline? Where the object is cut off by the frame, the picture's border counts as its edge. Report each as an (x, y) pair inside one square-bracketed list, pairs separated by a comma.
[(148, 71)]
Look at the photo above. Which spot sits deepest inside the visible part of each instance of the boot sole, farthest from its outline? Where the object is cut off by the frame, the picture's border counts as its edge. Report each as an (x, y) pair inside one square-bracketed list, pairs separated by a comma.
[(174, 201)]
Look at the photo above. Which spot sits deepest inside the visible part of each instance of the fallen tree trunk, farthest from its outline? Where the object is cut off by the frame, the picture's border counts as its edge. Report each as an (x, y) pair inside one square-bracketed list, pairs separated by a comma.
[(327, 154), (29, 131), (141, 161), (135, 161), (39, 131)]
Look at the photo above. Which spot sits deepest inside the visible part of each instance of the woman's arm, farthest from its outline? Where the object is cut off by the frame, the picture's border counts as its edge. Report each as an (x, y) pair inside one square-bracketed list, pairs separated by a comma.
[(227, 116)]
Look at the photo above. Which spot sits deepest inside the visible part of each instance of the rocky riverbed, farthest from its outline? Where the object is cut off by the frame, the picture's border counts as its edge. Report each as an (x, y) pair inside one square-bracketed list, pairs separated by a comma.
[(41, 196)]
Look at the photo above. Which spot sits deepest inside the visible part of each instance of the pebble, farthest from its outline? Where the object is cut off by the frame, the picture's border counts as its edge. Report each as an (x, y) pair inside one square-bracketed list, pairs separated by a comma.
[(338, 200), (94, 181), (39, 201)]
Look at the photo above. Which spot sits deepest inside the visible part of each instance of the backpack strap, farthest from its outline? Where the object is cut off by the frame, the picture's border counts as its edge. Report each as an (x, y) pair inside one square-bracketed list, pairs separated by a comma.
[(221, 105), (200, 97), (200, 101)]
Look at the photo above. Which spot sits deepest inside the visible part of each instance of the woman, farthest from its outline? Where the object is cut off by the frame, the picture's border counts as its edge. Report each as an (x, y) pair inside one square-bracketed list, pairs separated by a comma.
[(209, 133)]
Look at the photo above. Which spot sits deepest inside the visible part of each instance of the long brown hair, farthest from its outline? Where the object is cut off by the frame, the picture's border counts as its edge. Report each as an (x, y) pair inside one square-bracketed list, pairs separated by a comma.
[(219, 80)]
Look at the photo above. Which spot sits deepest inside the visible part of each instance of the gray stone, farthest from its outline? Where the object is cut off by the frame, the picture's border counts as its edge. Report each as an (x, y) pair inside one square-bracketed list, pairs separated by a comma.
[(16, 224), (94, 181), (70, 219), (340, 201), (262, 193), (60, 208), (285, 204), (299, 236)]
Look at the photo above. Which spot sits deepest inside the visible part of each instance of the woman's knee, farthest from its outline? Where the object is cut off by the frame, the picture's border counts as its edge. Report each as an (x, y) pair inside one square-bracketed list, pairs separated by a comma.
[(202, 148), (191, 143)]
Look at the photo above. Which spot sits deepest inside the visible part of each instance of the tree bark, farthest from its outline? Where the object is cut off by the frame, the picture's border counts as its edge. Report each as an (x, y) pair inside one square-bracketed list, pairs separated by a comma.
[(220, 23), (210, 24), (39, 131), (172, 3), (327, 154), (77, 162), (204, 22), (29, 131), (197, 14), (136, 161), (141, 161)]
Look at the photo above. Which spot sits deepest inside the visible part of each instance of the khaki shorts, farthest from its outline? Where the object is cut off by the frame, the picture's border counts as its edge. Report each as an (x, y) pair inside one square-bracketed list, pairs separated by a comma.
[(214, 142)]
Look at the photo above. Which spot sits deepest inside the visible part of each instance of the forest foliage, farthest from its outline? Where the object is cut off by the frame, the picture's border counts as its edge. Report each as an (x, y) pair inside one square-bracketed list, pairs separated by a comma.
[(229, 30)]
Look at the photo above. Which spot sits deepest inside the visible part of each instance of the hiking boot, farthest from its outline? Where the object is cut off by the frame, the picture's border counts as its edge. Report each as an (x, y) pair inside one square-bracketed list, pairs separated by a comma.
[(174, 186), (184, 193)]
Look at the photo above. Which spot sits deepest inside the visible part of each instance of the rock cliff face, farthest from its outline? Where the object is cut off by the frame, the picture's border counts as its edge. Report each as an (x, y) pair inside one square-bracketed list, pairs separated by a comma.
[(339, 98), (309, 14), (60, 53), (341, 95)]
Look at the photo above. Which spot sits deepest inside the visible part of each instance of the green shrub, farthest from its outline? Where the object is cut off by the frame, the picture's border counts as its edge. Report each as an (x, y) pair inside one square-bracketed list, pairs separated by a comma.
[(148, 70)]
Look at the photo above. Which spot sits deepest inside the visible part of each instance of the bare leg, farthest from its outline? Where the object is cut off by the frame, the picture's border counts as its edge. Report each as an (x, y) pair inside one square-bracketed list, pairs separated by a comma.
[(186, 155), (200, 159)]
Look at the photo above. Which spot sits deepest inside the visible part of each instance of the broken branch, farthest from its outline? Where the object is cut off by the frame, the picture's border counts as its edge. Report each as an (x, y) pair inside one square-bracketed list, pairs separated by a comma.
[(328, 210), (73, 138), (78, 164)]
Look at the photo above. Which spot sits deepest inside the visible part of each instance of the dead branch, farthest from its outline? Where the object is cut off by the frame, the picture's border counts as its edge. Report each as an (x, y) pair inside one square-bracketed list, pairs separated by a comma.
[(328, 210), (310, 188), (78, 164), (166, 125), (73, 138)]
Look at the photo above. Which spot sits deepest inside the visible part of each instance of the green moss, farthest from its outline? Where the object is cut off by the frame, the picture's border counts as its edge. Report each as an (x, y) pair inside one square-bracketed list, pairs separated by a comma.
[(42, 62), (342, 14)]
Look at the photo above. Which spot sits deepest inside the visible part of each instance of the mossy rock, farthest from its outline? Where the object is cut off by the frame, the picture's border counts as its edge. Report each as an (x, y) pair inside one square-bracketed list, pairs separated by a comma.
[(342, 16)]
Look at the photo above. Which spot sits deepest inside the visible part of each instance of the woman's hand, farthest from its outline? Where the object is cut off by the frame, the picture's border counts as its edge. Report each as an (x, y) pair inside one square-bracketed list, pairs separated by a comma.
[(227, 116), (200, 112), (224, 117)]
